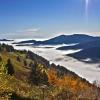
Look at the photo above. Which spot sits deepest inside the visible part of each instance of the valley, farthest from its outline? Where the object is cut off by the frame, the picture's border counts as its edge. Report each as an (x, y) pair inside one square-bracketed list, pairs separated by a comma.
[(85, 69)]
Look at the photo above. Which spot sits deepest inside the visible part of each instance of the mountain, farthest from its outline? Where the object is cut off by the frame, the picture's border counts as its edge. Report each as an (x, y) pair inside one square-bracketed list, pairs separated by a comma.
[(27, 76), (5, 40), (62, 39), (92, 53), (87, 44)]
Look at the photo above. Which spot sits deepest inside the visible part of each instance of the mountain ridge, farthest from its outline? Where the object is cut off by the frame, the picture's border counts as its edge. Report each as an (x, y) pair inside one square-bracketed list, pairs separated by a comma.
[(62, 39)]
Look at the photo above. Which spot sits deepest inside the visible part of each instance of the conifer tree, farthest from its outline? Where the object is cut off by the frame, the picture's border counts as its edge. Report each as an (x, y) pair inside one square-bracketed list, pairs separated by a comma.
[(9, 66)]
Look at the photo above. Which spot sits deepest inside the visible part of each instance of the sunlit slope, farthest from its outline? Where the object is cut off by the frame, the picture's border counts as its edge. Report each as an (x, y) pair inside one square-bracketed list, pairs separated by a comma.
[(27, 76)]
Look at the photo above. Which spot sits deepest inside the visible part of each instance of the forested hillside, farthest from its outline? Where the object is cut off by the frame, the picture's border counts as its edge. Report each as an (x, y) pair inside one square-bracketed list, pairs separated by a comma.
[(27, 76)]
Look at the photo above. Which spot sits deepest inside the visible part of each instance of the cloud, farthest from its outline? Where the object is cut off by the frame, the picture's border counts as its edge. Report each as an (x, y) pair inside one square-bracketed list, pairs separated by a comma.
[(30, 30)]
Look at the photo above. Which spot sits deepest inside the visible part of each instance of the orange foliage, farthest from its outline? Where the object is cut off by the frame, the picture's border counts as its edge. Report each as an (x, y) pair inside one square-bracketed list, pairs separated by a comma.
[(65, 81), (52, 77)]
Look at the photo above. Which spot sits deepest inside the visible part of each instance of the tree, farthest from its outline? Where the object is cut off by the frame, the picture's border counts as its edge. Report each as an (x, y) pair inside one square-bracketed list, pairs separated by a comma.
[(0, 59), (38, 74), (25, 63), (18, 59), (31, 64), (9, 66)]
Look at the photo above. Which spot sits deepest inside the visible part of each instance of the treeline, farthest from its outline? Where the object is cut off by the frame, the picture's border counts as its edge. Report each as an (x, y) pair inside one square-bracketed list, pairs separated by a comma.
[(8, 48)]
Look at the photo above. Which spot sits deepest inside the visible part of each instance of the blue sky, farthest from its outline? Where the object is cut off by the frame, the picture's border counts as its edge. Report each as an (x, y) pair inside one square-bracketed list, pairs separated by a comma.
[(43, 18)]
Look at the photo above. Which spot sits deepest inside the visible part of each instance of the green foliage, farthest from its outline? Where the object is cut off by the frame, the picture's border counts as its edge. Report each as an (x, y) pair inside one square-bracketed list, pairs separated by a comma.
[(3, 69)]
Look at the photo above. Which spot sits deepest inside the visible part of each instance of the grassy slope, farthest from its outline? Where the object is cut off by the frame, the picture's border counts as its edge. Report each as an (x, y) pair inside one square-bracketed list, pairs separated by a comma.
[(19, 82), (62, 87)]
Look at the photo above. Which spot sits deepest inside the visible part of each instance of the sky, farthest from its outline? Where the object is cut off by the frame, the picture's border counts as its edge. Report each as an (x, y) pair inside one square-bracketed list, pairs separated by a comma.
[(45, 18)]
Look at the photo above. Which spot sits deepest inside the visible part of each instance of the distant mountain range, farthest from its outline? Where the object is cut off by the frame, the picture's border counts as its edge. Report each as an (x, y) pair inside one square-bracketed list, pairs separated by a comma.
[(89, 45), (5, 40), (62, 39)]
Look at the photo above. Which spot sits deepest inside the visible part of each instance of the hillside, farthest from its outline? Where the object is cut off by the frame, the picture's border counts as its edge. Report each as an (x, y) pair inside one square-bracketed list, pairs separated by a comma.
[(27, 76)]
